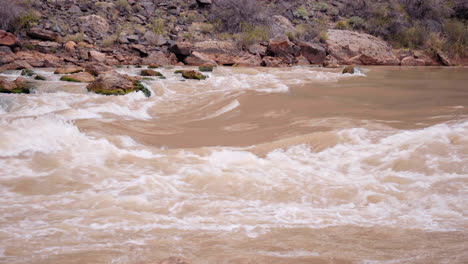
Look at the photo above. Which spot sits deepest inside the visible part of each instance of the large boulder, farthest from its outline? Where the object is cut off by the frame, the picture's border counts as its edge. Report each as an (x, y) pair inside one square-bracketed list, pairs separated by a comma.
[(197, 59), (412, 61), (182, 48), (221, 52), (97, 68), (313, 52), (38, 59), (43, 34), (68, 69), (20, 85), (7, 39), (83, 77), (114, 83), (16, 65), (193, 75), (283, 48), (6, 55), (249, 61), (97, 56), (94, 26), (281, 26), (159, 57), (350, 47)]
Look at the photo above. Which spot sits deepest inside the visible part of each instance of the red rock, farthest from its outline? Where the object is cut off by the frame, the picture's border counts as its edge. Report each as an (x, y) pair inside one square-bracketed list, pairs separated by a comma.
[(182, 48), (160, 58), (97, 68), (197, 59), (249, 61), (42, 34), (97, 56), (16, 65), (38, 59), (68, 69), (269, 61), (350, 47), (314, 52), (7, 39), (70, 46), (411, 61), (282, 47)]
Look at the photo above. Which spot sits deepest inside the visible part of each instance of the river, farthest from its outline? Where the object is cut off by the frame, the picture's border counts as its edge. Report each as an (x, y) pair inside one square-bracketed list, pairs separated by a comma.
[(252, 165)]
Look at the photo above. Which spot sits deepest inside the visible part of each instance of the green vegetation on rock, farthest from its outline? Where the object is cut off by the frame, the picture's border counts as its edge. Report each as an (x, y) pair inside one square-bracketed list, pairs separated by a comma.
[(194, 75), (150, 73), (68, 79), (206, 68)]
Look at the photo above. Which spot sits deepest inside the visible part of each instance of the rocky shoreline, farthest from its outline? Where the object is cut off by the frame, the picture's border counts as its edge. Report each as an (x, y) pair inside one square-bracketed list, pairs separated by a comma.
[(47, 44)]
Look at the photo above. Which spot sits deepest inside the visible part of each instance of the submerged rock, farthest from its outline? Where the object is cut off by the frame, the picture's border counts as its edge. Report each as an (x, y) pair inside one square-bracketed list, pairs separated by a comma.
[(150, 73), (78, 77), (20, 85), (348, 69), (194, 75), (114, 83), (27, 72), (206, 68)]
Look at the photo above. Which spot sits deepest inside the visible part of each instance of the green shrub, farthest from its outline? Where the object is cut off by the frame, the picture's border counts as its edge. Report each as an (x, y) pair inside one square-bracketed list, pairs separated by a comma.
[(342, 25), (158, 26), (457, 37), (123, 5), (302, 13), (28, 19), (323, 36), (322, 7), (251, 35), (357, 22)]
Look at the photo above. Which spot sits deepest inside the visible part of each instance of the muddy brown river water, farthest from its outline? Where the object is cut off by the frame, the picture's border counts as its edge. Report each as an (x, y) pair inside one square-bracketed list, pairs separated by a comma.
[(253, 165)]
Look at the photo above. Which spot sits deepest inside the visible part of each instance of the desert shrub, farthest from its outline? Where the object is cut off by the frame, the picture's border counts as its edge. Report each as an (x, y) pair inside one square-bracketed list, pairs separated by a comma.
[(78, 37), (323, 36), (456, 37), (9, 13), (254, 34), (206, 28), (123, 6), (302, 13), (342, 25), (233, 15), (357, 22), (158, 26), (322, 7)]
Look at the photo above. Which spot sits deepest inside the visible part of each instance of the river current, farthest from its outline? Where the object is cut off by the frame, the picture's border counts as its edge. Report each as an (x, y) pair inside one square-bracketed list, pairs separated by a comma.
[(252, 165)]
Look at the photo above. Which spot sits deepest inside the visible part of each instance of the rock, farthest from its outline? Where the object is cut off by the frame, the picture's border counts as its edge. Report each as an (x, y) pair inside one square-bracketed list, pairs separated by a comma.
[(196, 59), (301, 60), (16, 65), (257, 49), (97, 56), (140, 48), (46, 46), (443, 58), (7, 39), (68, 69), (194, 75), (411, 61), (282, 47), (70, 46), (348, 69), (181, 48), (43, 34), (155, 39), (175, 260), (206, 68), (281, 26), (350, 47), (6, 55), (150, 73), (114, 83), (94, 26), (154, 66), (314, 52), (97, 68), (78, 77), (27, 72), (38, 59), (269, 61), (249, 61), (160, 58), (20, 85), (221, 52), (330, 62), (40, 78)]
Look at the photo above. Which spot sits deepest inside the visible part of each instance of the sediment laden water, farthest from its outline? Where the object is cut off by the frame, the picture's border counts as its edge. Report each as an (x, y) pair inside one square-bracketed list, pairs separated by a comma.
[(298, 165)]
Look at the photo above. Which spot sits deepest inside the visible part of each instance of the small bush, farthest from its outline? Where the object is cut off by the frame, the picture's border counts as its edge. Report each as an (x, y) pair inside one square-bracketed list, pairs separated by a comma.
[(233, 15), (342, 25), (158, 26), (322, 7), (10, 11), (357, 22), (251, 35), (302, 13), (123, 6), (323, 36)]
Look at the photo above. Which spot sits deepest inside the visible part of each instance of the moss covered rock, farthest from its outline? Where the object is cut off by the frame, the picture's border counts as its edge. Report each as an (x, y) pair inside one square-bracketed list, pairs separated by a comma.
[(348, 69), (150, 73), (195, 75), (20, 85), (27, 72), (114, 83), (78, 77), (206, 68), (154, 66), (178, 71)]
